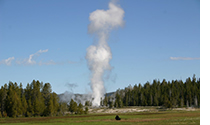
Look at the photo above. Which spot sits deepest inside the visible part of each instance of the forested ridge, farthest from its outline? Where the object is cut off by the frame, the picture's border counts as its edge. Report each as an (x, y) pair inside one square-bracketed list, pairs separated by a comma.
[(169, 94), (37, 99)]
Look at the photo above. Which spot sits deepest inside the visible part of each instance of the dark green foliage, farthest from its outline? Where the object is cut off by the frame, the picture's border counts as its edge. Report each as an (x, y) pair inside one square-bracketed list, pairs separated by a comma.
[(105, 101), (86, 110), (34, 100), (88, 103), (3, 95), (74, 109), (168, 94), (52, 105), (62, 108), (37, 98), (72, 106), (118, 102), (13, 102), (80, 109), (24, 105), (55, 100)]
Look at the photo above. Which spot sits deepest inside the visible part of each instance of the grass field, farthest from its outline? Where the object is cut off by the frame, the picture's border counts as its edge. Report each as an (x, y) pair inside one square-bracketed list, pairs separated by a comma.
[(141, 118)]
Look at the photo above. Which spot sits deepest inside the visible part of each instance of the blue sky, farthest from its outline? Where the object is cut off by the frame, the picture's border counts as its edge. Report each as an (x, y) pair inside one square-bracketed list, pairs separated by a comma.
[(46, 40)]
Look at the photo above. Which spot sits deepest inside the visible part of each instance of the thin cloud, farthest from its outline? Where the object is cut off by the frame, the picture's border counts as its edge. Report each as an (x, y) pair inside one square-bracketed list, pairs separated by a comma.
[(51, 62), (42, 51), (7, 61), (183, 58), (30, 60)]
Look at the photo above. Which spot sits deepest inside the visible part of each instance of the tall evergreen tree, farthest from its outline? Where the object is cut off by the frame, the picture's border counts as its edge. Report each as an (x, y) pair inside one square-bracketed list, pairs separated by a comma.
[(13, 103), (105, 101), (55, 103), (24, 105), (3, 96), (118, 101)]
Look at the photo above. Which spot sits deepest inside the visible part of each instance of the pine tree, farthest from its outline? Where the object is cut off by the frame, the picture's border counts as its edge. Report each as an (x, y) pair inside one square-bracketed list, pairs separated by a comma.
[(3, 96), (118, 101), (46, 92), (188, 94), (126, 99), (181, 93), (37, 98), (55, 103), (105, 101), (30, 110), (87, 103), (72, 106), (80, 109), (24, 105), (50, 108), (143, 98), (110, 103), (86, 110), (13, 103), (155, 93), (62, 108), (47, 99)]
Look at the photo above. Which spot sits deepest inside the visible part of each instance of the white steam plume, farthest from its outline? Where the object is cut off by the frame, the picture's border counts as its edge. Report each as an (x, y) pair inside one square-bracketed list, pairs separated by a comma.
[(98, 56)]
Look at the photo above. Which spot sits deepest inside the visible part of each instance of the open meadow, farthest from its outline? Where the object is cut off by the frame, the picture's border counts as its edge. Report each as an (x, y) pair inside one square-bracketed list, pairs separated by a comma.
[(147, 117)]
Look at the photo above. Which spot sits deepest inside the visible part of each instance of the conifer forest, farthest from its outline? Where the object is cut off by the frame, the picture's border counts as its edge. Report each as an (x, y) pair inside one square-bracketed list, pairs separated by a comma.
[(37, 98)]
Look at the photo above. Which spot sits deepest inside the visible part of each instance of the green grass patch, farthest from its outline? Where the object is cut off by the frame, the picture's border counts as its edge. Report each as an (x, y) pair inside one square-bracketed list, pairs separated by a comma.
[(140, 118)]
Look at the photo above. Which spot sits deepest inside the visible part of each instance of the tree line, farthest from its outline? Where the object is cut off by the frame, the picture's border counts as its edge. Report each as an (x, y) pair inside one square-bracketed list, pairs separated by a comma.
[(37, 99), (171, 94)]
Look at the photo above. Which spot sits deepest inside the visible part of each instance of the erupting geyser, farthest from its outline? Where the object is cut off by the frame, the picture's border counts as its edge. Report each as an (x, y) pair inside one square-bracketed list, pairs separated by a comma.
[(99, 55)]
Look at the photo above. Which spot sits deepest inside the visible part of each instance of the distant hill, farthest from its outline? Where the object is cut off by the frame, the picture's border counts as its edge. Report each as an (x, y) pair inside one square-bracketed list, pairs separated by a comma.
[(110, 94), (79, 98)]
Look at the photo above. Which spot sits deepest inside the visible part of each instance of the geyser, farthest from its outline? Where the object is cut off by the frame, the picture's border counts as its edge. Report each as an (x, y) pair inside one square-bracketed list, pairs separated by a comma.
[(99, 55)]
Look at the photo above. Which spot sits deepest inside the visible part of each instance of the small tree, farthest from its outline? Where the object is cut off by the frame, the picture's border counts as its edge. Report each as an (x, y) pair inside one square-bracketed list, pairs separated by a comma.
[(72, 106), (110, 104), (62, 108), (105, 101), (88, 103), (80, 109), (86, 110)]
